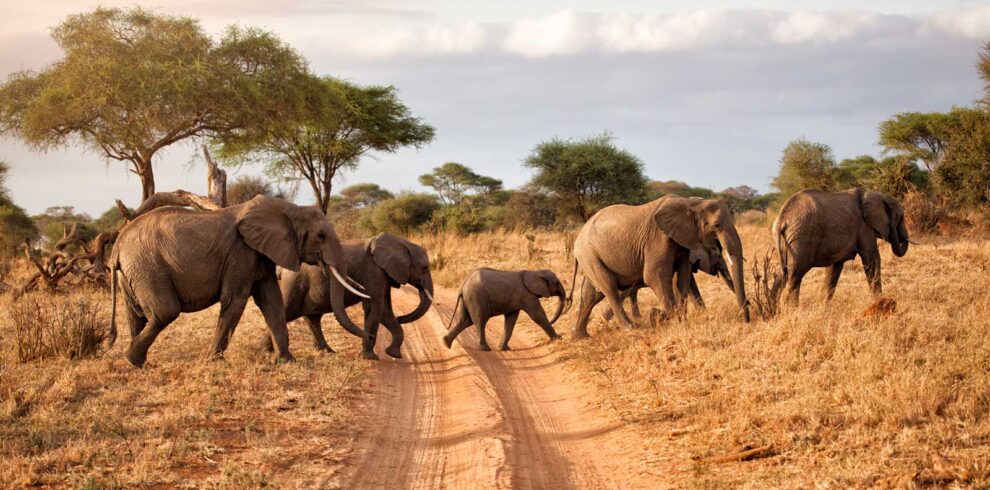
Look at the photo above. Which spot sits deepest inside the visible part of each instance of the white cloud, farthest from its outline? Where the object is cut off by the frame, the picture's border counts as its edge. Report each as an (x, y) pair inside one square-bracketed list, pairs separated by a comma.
[(568, 32), (967, 23)]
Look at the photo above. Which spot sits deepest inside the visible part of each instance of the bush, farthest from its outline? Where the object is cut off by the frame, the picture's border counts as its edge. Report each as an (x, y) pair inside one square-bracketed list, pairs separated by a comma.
[(405, 213), (921, 214), (46, 326)]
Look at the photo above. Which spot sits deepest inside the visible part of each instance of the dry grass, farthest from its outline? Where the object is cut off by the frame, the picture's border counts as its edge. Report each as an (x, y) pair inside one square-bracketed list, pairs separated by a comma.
[(69, 326), (897, 398), (183, 421)]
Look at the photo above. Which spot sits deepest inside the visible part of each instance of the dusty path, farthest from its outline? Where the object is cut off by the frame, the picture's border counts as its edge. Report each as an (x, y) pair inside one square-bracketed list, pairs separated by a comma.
[(463, 418)]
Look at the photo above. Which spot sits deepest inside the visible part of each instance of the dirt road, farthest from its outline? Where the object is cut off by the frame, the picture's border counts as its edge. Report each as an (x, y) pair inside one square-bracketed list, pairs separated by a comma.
[(463, 418)]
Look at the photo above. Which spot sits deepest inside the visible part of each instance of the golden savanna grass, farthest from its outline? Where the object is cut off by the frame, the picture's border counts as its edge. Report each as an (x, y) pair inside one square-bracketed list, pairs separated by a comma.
[(183, 421), (842, 398)]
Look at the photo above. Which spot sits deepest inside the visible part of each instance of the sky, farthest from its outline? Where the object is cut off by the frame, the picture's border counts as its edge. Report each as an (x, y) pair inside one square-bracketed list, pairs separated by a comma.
[(704, 92)]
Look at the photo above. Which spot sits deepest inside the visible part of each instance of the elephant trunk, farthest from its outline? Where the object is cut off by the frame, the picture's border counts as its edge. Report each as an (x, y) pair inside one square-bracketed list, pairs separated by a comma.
[(734, 253), (899, 239), (562, 297), (425, 301)]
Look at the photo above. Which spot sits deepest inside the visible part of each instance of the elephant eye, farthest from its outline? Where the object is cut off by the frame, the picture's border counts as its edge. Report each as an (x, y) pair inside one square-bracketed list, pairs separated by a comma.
[(321, 236)]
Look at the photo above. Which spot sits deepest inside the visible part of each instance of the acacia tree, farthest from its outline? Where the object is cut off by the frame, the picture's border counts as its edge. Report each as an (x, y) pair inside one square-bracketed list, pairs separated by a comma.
[(453, 181), (586, 175), (15, 225), (342, 122), (806, 164), (132, 82)]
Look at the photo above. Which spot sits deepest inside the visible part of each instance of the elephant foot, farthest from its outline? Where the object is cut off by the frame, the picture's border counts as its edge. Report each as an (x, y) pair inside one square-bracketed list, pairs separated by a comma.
[(395, 352), (485, 348), (580, 334), (504, 347), (285, 358), (324, 348), (136, 360), (554, 337), (449, 342), (369, 355)]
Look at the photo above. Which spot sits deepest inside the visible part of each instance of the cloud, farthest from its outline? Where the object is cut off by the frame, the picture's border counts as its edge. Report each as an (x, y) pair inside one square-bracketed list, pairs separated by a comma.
[(570, 33)]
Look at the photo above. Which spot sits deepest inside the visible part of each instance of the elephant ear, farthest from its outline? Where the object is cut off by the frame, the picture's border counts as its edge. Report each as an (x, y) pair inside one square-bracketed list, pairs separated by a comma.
[(876, 213), (676, 218), (392, 256), (536, 283), (267, 229)]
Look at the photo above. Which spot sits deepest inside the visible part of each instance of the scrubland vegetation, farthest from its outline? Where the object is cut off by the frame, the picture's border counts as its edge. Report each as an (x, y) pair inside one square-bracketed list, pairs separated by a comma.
[(842, 396)]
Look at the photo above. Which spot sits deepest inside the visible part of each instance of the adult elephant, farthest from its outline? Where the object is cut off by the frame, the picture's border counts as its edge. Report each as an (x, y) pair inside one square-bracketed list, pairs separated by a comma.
[(379, 264), (175, 260), (622, 246), (685, 289), (826, 229)]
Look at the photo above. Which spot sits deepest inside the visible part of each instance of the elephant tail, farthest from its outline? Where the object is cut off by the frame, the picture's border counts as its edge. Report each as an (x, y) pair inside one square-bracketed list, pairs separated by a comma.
[(112, 334), (453, 312), (783, 248), (570, 296)]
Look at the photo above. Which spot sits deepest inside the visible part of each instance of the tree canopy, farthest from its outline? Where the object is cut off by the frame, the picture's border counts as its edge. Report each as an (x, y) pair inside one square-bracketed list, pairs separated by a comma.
[(588, 174), (342, 122), (806, 164), (15, 225), (132, 82), (453, 181)]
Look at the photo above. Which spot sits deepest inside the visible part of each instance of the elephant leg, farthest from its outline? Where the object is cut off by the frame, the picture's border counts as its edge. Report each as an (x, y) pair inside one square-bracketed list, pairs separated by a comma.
[(315, 326), (269, 300), (794, 278), (482, 340), (463, 322), (684, 279), (137, 353), (661, 282), (394, 349), (510, 325), (832, 279), (696, 293), (230, 313), (535, 311), (604, 281), (634, 303), (136, 322), (372, 319), (869, 254), (589, 298)]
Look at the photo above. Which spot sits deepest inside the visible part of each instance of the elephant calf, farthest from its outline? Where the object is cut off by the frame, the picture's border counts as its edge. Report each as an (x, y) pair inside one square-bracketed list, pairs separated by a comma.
[(826, 229), (489, 292)]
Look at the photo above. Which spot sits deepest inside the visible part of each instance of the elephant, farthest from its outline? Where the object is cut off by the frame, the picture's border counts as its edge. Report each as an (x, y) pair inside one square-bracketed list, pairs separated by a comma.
[(175, 260), (489, 292), (379, 264), (826, 229), (720, 270), (623, 246)]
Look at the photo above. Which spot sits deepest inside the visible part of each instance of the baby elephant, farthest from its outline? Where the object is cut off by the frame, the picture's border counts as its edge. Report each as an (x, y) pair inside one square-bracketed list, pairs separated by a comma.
[(489, 292)]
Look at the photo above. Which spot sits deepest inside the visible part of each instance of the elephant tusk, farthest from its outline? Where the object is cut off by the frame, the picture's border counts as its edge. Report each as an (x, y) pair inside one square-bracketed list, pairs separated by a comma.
[(355, 283), (912, 242), (343, 282), (428, 295), (729, 259)]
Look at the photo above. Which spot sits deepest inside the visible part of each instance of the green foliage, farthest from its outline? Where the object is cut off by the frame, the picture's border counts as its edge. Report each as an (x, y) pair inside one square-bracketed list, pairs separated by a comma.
[(964, 174), (132, 82), (111, 219), (659, 188), (365, 195), (528, 208), (453, 181), (404, 214), (586, 175), (341, 122), (54, 222), (15, 225), (806, 164), (918, 136)]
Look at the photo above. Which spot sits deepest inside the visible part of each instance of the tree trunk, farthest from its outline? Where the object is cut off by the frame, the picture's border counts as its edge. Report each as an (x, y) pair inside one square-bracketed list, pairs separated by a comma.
[(216, 181), (146, 173)]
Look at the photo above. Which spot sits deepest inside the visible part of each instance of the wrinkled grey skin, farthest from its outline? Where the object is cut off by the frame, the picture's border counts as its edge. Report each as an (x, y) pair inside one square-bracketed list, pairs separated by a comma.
[(379, 264), (490, 292), (826, 229), (174, 260), (721, 269), (623, 246)]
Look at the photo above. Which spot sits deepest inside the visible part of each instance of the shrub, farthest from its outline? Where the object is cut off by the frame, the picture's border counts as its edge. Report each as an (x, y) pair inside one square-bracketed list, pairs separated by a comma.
[(46, 326), (921, 214), (768, 287), (404, 214)]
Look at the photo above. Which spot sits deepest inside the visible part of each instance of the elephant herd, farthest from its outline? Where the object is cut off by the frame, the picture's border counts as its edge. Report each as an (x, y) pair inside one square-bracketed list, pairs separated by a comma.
[(290, 261)]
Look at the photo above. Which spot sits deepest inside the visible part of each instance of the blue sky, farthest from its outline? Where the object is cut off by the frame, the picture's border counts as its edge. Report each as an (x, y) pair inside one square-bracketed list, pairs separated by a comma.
[(705, 92)]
